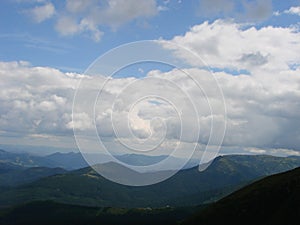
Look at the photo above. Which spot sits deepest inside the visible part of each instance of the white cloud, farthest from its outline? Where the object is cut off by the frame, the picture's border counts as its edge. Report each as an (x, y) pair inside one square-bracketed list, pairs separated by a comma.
[(274, 151), (229, 45), (293, 10), (263, 109), (43, 12), (90, 16), (35, 100)]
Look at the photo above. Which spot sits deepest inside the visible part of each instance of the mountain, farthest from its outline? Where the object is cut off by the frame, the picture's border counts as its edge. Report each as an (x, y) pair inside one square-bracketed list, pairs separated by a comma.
[(188, 187), (12, 175), (68, 161), (75, 160), (23, 159), (274, 200), (145, 160)]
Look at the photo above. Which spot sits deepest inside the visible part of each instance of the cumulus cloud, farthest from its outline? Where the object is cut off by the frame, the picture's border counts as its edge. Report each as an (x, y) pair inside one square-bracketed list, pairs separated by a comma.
[(230, 45), (293, 10), (35, 100), (43, 12), (262, 110), (262, 105)]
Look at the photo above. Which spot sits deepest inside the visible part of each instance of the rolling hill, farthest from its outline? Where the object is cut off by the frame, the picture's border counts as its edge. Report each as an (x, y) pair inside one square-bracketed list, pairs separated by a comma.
[(273, 200), (188, 187)]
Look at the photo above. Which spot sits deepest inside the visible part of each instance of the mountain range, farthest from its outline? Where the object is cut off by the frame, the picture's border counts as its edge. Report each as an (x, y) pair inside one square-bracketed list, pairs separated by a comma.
[(273, 200), (75, 160), (188, 187)]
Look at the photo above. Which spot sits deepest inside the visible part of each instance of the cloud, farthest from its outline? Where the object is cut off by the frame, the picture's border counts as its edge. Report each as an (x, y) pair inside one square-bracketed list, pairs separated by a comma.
[(43, 12), (35, 100), (247, 11), (262, 106), (216, 7), (262, 95), (293, 11), (262, 109), (92, 17), (254, 59), (229, 45), (258, 10), (67, 26)]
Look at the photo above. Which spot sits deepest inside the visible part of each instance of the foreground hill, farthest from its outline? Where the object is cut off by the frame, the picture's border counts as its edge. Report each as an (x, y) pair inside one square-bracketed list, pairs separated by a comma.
[(274, 200), (49, 212), (188, 187)]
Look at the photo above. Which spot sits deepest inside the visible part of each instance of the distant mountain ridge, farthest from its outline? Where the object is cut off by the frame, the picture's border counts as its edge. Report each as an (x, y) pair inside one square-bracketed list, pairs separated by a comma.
[(68, 161), (188, 187), (75, 160)]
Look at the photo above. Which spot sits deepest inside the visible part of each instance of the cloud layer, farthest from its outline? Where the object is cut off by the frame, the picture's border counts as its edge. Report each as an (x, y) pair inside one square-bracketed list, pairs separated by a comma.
[(262, 99), (257, 69)]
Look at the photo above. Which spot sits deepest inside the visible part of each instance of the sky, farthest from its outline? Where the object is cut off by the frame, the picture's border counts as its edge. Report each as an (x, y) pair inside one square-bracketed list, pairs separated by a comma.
[(229, 81)]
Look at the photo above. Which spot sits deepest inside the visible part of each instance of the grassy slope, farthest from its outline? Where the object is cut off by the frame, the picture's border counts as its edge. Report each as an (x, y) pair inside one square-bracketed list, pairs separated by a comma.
[(270, 201)]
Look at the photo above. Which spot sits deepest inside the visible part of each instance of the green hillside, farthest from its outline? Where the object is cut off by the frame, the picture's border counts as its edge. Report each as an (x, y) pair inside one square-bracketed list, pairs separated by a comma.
[(188, 187), (274, 200)]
